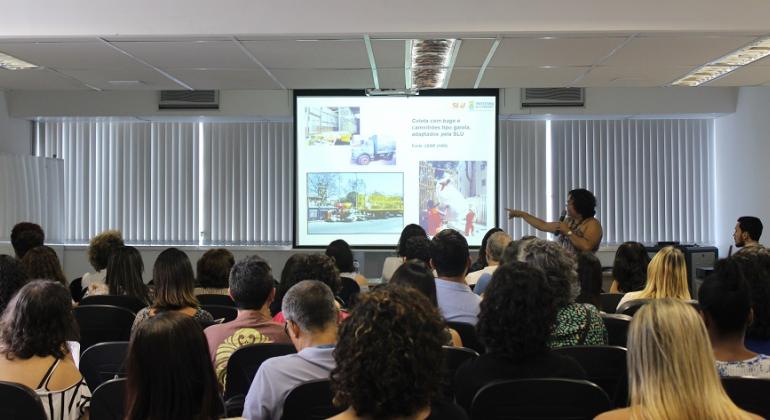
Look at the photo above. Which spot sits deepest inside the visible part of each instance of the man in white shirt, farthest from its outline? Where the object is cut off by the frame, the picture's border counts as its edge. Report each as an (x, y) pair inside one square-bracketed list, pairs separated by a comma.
[(495, 246)]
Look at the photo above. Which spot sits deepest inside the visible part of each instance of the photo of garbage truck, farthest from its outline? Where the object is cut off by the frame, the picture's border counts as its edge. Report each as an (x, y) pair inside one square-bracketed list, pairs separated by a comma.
[(373, 148)]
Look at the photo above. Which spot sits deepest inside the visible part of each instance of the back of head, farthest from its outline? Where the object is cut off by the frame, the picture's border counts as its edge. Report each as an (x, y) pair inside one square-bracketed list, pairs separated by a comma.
[(751, 225), (755, 265), (124, 273), (12, 278), (42, 263), (630, 266), (671, 366), (38, 321), (584, 202), (518, 312), (311, 305), (482, 259), (170, 375), (102, 246), (251, 282), (725, 299), (312, 267), (449, 253), (667, 275), (174, 281), (409, 231), (416, 274), (559, 268), (417, 248), (496, 245), (389, 356), (589, 271), (214, 268), (25, 236), (342, 255), (511, 252)]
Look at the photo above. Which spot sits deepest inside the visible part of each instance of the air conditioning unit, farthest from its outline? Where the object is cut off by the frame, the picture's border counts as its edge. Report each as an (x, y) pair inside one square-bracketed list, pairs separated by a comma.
[(551, 97), (189, 99)]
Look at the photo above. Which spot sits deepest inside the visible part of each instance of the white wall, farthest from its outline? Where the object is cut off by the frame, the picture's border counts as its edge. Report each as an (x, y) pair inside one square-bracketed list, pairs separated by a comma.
[(743, 165), (15, 133)]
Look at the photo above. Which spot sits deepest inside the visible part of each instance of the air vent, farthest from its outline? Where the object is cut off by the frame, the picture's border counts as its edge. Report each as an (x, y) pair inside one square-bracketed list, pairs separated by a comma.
[(549, 97), (189, 99)]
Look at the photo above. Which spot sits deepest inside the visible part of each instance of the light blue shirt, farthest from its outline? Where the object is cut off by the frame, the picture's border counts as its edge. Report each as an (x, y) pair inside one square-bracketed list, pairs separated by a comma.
[(457, 301)]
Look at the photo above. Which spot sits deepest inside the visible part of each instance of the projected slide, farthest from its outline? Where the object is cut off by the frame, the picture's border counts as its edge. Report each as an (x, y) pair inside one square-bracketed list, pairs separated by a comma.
[(368, 166)]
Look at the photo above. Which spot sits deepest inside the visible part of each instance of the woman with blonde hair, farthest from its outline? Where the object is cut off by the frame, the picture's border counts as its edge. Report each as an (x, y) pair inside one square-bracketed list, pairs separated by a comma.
[(666, 278), (671, 371)]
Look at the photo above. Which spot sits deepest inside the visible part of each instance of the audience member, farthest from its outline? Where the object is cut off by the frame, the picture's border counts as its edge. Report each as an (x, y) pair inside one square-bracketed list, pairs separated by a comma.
[(515, 324), (100, 249), (287, 277), (169, 371), (174, 282), (747, 232), (252, 289), (25, 236), (389, 359), (311, 322), (124, 276), (310, 267), (417, 248), (42, 263), (449, 256), (589, 272), (755, 264), (666, 277), (481, 260), (12, 278), (725, 302), (576, 324), (671, 371), (352, 283), (496, 244), (629, 270), (511, 252), (33, 351), (213, 269), (391, 263)]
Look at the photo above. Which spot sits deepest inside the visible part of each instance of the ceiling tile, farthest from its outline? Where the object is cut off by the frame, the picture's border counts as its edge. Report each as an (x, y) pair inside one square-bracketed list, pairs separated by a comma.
[(675, 50), (388, 54), (149, 79), (473, 52), (40, 79), (392, 78), (324, 78), (70, 55), (647, 75), (500, 77), (533, 52), (196, 54), (225, 79), (463, 78), (292, 54)]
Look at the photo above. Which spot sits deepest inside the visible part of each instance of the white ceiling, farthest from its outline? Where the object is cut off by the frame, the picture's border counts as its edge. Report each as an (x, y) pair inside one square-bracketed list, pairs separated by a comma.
[(303, 62)]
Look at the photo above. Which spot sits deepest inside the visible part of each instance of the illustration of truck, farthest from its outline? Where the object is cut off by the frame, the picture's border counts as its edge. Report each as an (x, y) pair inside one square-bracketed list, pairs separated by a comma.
[(375, 147)]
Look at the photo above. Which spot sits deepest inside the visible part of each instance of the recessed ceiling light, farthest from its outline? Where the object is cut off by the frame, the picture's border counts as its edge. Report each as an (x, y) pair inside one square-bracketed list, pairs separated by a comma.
[(431, 62), (12, 63), (730, 62)]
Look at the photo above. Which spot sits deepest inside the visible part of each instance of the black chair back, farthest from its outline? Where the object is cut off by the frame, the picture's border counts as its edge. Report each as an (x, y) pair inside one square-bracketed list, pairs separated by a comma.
[(102, 323), (103, 361), (76, 289), (310, 401), (541, 398), (467, 334), (617, 328), (225, 313), (629, 308), (749, 394), (108, 401), (213, 299), (610, 301), (605, 366), (19, 402), (129, 302), (244, 363), (453, 358)]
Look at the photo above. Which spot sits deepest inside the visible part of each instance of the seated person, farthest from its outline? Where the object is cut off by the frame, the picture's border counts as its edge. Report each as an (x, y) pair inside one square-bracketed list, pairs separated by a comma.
[(589, 271), (42, 263), (387, 357), (725, 303), (666, 277), (352, 282), (25, 236), (213, 272), (252, 290), (629, 269), (515, 324), (12, 278), (481, 259), (390, 264), (307, 267), (450, 257), (494, 250), (755, 265), (124, 276), (100, 248), (311, 322)]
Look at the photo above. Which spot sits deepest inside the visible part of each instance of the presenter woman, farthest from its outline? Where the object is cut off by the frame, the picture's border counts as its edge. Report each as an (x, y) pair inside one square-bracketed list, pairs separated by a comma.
[(579, 230)]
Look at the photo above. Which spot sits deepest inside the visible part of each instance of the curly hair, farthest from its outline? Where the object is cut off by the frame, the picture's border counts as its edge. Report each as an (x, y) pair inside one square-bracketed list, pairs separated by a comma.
[(518, 312), (214, 268), (101, 247), (12, 278), (38, 321), (755, 265), (309, 267), (584, 202), (630, 266), (389, 356), (559, 268), (417, 248), (42, 263)]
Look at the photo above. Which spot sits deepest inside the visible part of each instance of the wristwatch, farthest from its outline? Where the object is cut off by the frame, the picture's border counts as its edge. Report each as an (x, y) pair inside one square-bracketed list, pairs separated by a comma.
[(569, 233)]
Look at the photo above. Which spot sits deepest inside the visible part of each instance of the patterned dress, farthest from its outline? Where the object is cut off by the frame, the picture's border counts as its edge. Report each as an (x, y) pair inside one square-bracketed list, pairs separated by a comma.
[(578, 324)]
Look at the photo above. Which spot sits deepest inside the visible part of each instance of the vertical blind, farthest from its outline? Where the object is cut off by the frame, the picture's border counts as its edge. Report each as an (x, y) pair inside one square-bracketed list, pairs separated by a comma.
[(651, 178)]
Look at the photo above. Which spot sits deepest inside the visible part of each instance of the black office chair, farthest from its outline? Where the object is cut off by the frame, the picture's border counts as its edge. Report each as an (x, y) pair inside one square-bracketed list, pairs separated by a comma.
[(605, 366), (17, 402), (129, 302), (453, 358), (225, 313), (108, 401), (76, 289), (610, 301), (213, 299), (749, 394), (629, 308), (541, 398), (617, 328), (102, 362), (310, 401), (467, 334), (103, 323), (243, 366)]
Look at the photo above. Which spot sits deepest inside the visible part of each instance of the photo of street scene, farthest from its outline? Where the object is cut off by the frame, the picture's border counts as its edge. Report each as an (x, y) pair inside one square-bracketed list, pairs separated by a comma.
[(453, 195), (334, 126), (355, 203), (373, 150)]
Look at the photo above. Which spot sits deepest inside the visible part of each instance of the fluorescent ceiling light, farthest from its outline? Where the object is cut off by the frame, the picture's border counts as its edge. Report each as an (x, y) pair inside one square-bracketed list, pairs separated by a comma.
[(430, 62), (720, 67), (12, 63)]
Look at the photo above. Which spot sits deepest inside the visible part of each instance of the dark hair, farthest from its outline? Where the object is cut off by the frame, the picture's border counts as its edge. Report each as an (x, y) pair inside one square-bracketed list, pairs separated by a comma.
[(630, 267), (511, 252), (410, 231), (170, 375), (214, 268), (751, 225), (449, 253), (583, 201), (389, 357), (102, 246), (559, 268), (25, 236), (311, 305), (12, 278), (518, 312), (124, 274), (41, 262), (287, 275), (755, 265), (481, 260), (251, 281), (417, 274), (309, 267), (725, 298), (589, 273), (417, 247), (342, 255), (38, 321), (174, 281)]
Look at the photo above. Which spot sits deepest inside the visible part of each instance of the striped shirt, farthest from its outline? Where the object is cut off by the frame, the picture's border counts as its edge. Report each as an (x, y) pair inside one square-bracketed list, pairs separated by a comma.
[(66, 404)]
